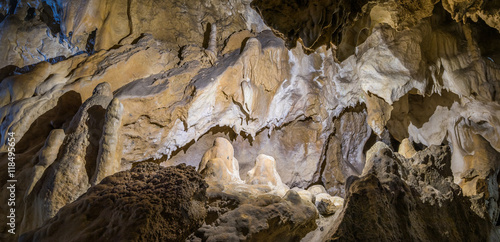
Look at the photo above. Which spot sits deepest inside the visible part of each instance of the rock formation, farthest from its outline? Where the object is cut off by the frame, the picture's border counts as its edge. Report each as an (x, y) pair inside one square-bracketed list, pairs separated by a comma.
[(265, 217), (414, 199), (264, 173), (328, 205), (273, 99), (219, 163), (147, 203), (261, 208)]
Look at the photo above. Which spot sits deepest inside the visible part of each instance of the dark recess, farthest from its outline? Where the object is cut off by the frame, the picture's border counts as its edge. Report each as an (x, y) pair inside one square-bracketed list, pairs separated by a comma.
[(419, 146), (91, 42), (56, 118), (498, 182), (370, 142), (56, 59), (206, 35), (30, 14), (12, 70), (95, 123), (488, 40), (12, 7), (48, 17), (224, 131), (7, 71), (136, 40), (316, 22), (422, 108)]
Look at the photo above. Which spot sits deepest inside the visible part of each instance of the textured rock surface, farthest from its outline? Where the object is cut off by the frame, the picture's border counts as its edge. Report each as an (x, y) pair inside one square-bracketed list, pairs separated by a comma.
[(147, 203), (345, 150), (313, 84), (30, 34), (328, 205), (316, 189), (412, 199), (40, 30), (108, 159), (260, 208), (406, 149), (264, 217), (313, 22), (219, 163), (69, 177)]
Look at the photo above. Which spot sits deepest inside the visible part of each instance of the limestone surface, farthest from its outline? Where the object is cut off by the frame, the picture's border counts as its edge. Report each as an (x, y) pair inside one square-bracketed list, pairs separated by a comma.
[(321, 87), (264, 173)]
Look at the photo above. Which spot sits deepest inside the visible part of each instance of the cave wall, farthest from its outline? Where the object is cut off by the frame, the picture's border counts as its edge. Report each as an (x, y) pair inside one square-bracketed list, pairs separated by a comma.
[(315, 93)]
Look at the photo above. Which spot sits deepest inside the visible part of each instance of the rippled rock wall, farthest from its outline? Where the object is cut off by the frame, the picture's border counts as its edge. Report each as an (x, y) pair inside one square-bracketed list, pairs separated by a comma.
[(92, 88)]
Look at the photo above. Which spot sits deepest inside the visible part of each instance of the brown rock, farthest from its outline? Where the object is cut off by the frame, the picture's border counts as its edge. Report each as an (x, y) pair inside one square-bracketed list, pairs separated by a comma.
[(434, 207), (108, 159), (222, 149), (379, 112), (216, 171), (147, 203), (218, 163), (236, 41), (328, 205)]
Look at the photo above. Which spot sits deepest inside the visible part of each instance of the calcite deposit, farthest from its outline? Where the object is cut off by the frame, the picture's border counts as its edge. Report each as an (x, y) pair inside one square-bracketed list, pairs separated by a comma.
[(308, 120)]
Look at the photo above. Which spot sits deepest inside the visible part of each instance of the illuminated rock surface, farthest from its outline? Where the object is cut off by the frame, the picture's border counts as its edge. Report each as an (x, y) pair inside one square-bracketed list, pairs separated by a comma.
[(92, 88)]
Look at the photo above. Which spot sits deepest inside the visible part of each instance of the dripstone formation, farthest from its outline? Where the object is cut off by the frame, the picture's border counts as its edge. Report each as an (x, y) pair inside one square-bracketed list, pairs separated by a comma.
[(251, 120)]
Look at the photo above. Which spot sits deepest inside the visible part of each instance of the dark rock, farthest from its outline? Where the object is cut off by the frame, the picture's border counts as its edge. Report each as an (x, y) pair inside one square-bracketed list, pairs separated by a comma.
[(147, 203), (314, 22), (422, 205)]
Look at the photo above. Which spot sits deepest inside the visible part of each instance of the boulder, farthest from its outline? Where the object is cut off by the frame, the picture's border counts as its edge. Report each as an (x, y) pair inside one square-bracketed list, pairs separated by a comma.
[(316, 189), (147, 203), (304, 194), (327, 204), (434, 207)]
